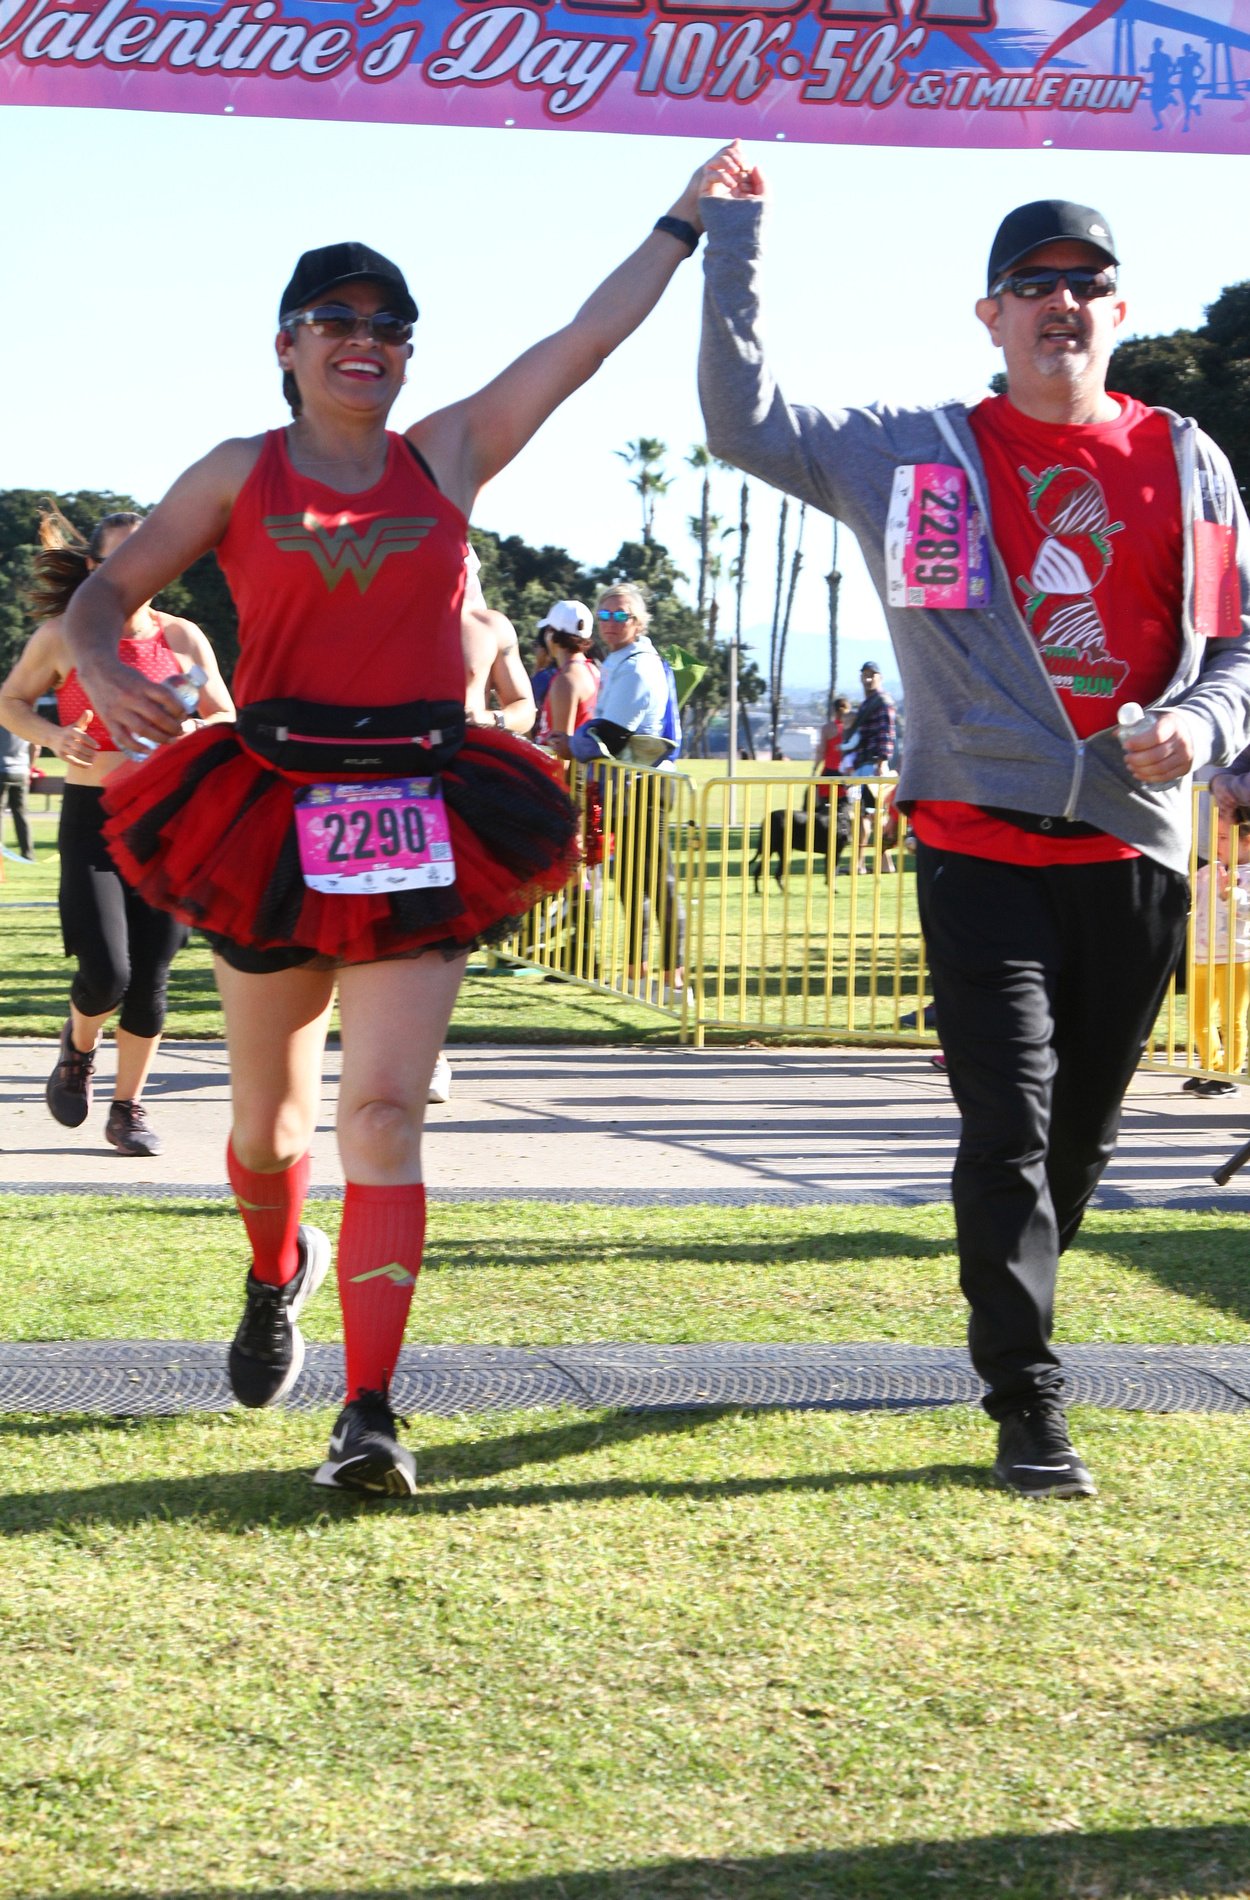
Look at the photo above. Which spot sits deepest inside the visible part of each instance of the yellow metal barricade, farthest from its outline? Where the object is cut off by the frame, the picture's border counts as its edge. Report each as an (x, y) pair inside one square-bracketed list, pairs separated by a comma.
[(620, 923), (1201, 1028), (763, 907)]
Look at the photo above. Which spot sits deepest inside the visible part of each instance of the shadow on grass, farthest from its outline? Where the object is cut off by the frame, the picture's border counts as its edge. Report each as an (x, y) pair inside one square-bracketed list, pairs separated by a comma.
[(242, 1500), (1206, 1264), (1121, 1864), (1227, 1731)]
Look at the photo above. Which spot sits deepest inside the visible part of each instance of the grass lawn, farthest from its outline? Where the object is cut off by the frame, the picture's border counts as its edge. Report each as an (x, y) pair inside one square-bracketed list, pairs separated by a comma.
[(512, 1006), (817, 962), (739, 1656), (523, 1273)]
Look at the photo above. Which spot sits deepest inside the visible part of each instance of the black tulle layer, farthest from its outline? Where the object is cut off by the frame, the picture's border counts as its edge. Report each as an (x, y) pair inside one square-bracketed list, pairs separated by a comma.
[(206, 829)]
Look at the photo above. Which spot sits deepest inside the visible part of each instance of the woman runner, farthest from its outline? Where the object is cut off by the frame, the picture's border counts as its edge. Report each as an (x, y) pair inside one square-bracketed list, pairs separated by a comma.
[(122, 945), (344, 546)]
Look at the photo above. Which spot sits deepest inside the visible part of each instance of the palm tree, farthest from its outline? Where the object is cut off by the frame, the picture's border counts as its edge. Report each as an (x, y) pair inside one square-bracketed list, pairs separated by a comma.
[(735, 651), (774, 678), (647, 456), (833, 580), (700, 458), (796, 563)]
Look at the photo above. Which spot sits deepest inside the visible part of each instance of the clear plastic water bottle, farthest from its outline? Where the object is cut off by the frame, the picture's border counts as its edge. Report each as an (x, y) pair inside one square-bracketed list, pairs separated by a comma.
[(186, 688), (1133, 719)]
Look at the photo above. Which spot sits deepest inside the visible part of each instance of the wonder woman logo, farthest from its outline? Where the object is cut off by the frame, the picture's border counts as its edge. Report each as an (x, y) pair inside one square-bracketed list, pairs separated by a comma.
[(340, 550)]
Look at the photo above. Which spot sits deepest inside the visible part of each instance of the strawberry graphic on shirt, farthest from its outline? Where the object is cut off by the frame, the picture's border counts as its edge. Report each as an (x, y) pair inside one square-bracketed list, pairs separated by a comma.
[(1068, 504)]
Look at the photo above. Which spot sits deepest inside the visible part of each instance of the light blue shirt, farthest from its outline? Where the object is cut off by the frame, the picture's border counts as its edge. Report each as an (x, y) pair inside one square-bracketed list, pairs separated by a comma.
[(633, 692)]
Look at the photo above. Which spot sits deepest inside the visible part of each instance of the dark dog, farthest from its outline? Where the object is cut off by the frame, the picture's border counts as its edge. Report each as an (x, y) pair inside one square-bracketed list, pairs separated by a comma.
[(782, 847)]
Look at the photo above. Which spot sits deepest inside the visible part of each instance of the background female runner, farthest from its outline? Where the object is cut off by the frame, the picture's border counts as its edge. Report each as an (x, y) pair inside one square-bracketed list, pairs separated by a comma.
[(123, 946), (345, 548), (570, 698)]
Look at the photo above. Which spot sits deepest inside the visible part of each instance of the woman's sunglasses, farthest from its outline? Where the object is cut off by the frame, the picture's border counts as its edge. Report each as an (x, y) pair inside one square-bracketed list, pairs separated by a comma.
[(615, 613), (340, 321)]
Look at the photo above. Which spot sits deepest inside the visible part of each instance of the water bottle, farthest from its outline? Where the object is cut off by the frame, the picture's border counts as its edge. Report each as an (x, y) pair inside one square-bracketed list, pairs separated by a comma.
[(186, 689), (1133, 719)]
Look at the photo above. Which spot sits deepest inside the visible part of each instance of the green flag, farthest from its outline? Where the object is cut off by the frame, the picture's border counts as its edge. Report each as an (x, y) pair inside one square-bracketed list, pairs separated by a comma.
[(687, 671)]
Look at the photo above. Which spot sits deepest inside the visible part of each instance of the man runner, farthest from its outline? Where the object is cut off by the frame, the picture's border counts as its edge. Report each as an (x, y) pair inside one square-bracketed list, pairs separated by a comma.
[(1043, 558)]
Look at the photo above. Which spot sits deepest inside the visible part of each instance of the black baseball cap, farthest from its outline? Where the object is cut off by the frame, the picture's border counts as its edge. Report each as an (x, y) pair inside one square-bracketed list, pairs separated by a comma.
[(1045, 221), (334, 264)]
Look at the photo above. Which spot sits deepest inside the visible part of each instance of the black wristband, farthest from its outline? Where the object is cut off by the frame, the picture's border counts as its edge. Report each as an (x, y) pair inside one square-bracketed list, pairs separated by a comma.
[(680, 229)]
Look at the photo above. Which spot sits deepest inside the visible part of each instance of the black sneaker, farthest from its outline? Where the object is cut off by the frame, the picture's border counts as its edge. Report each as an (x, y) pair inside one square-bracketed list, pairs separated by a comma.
[(69, 1085), (130, 1131), (1035, 1454), (365, 1454), (267, 1352)]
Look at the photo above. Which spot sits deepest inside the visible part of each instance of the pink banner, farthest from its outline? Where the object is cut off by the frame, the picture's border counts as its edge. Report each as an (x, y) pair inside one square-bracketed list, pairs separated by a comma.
[(1117, 74)]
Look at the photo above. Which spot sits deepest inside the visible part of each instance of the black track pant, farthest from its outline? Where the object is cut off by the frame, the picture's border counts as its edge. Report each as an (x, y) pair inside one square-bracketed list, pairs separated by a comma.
[(1047, 983), (13, 794), (124, 948)]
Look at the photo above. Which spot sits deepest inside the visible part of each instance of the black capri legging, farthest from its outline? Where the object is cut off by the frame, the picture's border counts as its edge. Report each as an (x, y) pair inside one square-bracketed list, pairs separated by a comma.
[(124, 947)]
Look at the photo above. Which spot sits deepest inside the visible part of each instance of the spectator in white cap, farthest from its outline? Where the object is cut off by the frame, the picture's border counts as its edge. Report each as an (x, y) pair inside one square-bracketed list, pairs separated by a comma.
[(570, 698)]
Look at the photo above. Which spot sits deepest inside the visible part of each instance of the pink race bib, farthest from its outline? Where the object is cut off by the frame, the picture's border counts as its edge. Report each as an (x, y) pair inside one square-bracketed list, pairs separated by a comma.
[(935, 547), (391, 836)]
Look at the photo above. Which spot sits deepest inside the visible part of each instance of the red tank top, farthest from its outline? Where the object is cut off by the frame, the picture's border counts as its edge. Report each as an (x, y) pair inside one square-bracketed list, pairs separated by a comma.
[(585, 709), (152, 656), (345, 600)]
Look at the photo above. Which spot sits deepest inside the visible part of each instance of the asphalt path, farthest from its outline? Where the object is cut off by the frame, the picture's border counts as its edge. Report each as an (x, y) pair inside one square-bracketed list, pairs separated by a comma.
[(630, 1126)]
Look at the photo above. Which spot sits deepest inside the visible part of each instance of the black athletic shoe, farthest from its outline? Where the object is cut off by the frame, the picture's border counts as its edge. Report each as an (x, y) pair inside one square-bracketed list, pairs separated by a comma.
[(130, 1131), (1035, 1454), (69, 1085), (365, 1454), (267, 1352)]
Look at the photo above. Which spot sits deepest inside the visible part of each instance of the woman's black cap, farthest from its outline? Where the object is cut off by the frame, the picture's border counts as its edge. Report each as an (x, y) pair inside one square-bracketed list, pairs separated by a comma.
[(334, 264), (1045, 221)]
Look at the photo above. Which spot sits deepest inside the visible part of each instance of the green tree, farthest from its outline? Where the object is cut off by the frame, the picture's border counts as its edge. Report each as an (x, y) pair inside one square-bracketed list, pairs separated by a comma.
[(200, 595), (522, 581), (1203, 373), (674, 622), (647, 456)]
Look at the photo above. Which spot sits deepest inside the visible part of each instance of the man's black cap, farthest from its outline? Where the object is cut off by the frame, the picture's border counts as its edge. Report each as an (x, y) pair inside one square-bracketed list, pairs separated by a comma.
[(1045, 221), (334, 264)]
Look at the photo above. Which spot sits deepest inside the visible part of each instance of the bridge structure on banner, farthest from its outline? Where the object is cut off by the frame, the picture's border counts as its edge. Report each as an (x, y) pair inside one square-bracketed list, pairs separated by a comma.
[(1220, 40)]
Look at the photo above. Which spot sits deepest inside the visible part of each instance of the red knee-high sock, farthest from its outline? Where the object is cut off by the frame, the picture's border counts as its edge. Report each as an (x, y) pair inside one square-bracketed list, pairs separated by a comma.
[(380, 1247), (271, 1205)]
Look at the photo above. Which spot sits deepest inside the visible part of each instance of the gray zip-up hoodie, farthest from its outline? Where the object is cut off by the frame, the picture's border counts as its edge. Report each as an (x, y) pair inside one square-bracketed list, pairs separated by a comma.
[(985, 724)]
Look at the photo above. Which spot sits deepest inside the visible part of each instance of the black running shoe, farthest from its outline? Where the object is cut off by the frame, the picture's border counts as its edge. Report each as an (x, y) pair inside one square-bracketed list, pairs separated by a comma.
[(130, 1131), (69, 1085), (365, 1454), (267, 1352), (1035, 1454)]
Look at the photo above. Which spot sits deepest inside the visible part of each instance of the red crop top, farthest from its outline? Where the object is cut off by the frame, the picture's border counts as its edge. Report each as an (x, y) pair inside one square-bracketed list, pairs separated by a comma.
[(151, 655)]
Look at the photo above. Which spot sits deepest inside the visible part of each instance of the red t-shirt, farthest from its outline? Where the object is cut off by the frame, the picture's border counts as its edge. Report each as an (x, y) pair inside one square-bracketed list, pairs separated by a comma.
[(1088, 522)]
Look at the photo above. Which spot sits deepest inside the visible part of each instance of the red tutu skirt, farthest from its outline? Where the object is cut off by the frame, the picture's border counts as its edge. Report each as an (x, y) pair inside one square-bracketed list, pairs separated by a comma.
[(206, 829)]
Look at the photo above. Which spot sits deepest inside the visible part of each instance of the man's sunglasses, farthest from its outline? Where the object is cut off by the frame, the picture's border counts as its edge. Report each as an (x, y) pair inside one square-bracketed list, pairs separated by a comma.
[(1031, 285), (614, 613), (340, 321)]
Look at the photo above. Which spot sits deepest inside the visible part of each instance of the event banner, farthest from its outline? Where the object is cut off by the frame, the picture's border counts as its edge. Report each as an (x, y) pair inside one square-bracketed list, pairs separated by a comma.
[(1115, 74)]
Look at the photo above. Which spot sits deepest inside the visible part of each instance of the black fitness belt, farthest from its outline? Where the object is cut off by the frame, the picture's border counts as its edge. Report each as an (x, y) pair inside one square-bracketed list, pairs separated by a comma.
[(1033, 821), (299, 735)]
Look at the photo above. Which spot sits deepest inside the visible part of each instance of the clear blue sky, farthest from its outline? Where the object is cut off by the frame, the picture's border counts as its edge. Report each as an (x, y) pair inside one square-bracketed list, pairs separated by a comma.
[(158, 245)]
